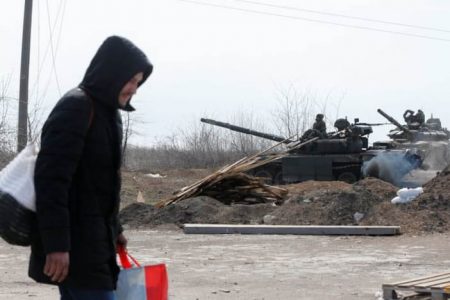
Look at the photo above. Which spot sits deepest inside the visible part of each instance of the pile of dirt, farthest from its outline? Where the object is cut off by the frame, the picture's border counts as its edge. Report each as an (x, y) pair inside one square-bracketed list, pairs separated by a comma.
[(367, 202), (327, 208), (201, 209), (436, 192)]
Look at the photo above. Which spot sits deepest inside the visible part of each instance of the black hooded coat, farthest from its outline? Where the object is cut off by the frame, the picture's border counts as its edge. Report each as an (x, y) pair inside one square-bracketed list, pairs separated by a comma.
[(77, 175)]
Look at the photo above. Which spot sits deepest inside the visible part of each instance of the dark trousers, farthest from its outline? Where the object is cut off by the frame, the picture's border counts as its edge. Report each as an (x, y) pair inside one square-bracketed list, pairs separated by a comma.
[(68, 293)]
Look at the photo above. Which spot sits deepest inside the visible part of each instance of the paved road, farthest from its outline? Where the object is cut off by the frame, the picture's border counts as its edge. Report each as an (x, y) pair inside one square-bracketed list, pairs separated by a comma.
[(250, 267)]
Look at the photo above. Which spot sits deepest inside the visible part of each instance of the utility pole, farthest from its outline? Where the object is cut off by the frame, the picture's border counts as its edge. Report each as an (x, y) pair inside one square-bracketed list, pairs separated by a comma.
[(24, 72)]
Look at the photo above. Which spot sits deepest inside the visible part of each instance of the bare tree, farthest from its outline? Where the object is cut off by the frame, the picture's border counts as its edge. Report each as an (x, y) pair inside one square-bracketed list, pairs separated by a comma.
[(127, 132), (7, 137), (296, 111), (246, 144), (200, 145), (329, 108), (131, 122), (35, 118)]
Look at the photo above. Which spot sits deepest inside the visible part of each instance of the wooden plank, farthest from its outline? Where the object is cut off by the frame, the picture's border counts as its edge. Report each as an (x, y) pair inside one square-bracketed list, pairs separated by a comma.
[(427, 284), (416, 279), (434, 283), (288, 229)]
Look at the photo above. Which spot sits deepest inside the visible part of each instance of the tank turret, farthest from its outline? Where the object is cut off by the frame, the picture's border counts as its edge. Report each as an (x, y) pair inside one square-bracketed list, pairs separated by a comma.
[(427, 131), (393, 121)]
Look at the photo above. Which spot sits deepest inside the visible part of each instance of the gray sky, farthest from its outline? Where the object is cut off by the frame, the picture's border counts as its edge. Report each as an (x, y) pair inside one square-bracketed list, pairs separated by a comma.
[(216, 61)]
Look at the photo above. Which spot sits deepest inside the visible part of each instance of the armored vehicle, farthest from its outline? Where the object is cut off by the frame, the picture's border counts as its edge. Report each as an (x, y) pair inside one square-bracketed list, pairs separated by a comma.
[(338, 156), (428, 136), (412, 131)]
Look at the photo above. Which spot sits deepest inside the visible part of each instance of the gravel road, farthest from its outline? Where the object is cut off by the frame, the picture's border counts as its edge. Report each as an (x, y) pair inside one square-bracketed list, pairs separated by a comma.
[(256, 267)]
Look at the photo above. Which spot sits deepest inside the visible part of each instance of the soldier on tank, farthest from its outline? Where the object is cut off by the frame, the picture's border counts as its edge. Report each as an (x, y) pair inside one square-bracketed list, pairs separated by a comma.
[(341, 124), (408, 116), (319, 129), (414, 119), (419, 117), (319, 124)]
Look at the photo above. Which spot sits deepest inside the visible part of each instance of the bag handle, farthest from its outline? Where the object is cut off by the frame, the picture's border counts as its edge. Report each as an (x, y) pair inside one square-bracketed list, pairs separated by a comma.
[(125, 257), (91, 114)]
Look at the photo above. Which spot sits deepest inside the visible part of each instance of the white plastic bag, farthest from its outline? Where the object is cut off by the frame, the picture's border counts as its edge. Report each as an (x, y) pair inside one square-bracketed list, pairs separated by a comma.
[(17, 178), (406, 195), (18, 198)]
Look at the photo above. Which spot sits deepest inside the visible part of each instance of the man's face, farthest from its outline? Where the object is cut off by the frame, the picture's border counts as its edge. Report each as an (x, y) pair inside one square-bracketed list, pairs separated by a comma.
[(129, 89)]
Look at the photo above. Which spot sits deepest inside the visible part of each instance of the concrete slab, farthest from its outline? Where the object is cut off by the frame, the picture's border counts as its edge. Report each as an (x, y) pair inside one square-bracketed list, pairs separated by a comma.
[(290, 229)]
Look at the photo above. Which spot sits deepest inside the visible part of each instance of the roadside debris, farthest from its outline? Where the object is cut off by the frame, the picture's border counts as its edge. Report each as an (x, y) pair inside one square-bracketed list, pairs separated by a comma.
[(151, 175), (364, 203), (406, 195), (231, 181)]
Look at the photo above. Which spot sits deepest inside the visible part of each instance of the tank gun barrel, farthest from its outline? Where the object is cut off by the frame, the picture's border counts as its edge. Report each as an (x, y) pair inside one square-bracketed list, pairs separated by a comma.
[(373, 124), (247, 131), (392, 120)]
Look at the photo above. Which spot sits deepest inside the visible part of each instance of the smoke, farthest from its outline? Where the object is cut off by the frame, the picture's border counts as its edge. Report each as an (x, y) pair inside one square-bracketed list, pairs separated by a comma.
[(401, 167), (391, 166), (436, 155)]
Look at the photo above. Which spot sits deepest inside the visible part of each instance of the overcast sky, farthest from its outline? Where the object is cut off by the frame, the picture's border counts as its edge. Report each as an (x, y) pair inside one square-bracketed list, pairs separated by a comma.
[(235, 56)]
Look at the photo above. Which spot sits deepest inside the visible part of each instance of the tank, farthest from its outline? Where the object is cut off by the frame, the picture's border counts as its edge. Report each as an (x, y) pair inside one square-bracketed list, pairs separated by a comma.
[(413, 132), (427, 137), (338, 155)]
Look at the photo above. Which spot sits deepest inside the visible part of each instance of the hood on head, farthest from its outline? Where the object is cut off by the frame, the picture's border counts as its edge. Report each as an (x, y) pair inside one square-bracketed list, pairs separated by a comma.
[(115, 63)]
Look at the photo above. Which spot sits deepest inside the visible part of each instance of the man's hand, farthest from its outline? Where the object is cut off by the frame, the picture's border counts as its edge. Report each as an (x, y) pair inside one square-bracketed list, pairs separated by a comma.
[(57, 266), (122, 241)]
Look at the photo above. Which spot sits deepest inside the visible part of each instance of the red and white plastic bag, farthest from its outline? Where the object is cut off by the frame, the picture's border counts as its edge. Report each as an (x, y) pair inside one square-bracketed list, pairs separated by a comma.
[(138, 282)]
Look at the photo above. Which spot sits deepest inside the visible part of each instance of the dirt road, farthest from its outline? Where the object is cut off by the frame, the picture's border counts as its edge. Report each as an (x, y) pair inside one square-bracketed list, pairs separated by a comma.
[(250, 267)]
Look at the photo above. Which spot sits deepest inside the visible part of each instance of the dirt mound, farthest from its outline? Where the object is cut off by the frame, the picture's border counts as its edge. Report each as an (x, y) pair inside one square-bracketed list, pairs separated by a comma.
[(245, 214), (411, 219), (367, 202), (194, 210), (436, 194), (330, 203), (311, 186), (383, 189)]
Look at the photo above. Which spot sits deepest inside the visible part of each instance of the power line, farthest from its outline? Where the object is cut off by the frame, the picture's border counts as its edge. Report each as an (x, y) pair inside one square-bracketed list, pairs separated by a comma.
[(58, 39), (40, 64), (38, 69), (342, 15), (52, 50), (315, 20)]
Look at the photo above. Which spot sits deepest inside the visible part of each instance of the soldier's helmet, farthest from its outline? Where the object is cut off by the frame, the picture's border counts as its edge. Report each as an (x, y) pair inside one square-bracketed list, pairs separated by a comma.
[(341, 124), (319, 117)]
